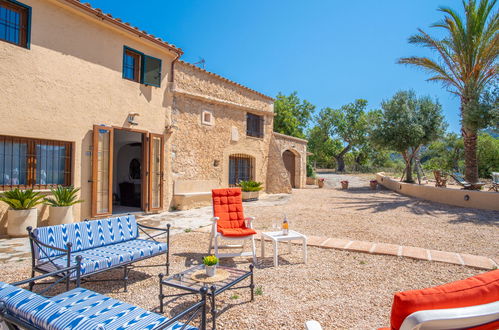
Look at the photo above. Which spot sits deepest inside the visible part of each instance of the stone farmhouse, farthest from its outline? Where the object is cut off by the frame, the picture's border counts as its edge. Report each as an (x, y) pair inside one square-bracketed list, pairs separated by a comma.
[(91, 101)]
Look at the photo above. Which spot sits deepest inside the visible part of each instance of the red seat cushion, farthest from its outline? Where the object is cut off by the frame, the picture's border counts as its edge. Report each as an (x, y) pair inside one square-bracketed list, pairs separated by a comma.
[(236, 232), (476, 290), (228, 207)]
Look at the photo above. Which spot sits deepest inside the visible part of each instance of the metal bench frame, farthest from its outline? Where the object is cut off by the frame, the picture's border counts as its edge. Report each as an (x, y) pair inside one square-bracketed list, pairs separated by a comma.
[(127, 266), (13, 322)]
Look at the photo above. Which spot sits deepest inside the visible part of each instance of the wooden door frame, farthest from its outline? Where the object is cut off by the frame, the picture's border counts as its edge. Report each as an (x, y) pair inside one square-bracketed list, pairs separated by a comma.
[(161, 169), (95, 156)]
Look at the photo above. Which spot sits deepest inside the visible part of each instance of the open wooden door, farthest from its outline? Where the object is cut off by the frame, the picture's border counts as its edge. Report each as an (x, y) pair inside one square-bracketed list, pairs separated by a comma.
[(156, 169), (102, 171)]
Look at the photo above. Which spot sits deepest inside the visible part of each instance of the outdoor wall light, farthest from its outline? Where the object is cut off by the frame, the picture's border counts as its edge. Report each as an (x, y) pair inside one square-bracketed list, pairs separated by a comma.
[(170, 128), (216, 162), (466, 197), (131, 118)]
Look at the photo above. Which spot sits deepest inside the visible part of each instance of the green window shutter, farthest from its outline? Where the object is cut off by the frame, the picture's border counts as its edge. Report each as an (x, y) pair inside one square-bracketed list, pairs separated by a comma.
[(151, 71)]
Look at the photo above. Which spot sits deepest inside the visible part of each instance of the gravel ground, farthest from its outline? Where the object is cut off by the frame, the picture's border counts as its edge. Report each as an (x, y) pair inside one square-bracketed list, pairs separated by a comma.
[(340, 289), (385, 217)]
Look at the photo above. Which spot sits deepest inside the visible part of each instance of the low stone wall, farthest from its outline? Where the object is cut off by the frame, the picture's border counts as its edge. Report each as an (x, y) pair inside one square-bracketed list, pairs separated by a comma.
[(465, 198)]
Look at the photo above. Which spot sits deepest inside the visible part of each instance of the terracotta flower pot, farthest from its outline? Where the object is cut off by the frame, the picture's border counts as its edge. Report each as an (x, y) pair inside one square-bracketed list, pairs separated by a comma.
[(60, 215), (320, 183), (344, 184), (18, 220), (373, 184), (250, 196)]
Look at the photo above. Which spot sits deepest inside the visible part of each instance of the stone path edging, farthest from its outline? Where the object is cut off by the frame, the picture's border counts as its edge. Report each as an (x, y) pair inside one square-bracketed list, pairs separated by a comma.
[(462, 259)]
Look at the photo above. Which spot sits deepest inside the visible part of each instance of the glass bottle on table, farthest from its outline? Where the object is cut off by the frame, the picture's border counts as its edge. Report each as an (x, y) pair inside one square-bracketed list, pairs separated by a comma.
[(285, 226)]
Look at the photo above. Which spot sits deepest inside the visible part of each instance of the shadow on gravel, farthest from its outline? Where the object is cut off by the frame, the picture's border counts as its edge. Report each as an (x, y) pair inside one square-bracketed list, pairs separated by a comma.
[(385, 200)]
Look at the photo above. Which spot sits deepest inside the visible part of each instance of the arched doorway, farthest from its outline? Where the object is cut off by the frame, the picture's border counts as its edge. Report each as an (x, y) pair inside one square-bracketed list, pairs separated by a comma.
[(290, 163)]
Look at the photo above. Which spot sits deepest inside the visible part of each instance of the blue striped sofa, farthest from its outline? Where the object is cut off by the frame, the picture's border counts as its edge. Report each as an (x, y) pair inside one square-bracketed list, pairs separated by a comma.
[(103, 245), (84, 309)]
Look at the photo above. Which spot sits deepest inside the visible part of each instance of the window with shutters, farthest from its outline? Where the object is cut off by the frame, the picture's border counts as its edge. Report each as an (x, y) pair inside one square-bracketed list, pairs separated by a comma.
[(254, 125), (15, 20), (240, 169), (34, 163), (141, 68)]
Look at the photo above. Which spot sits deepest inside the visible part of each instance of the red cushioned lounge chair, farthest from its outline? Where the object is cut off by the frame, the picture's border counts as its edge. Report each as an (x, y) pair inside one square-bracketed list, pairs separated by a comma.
[(229, 223), (472, 303)]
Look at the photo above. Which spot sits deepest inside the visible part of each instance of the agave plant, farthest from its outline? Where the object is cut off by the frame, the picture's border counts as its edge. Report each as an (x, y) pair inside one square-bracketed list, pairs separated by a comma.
[(250, 185), (22, 199), (63, 196)]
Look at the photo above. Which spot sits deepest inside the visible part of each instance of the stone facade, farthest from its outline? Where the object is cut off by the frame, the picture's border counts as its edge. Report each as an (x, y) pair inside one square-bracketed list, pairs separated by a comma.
[(298, 148), (201, 151)]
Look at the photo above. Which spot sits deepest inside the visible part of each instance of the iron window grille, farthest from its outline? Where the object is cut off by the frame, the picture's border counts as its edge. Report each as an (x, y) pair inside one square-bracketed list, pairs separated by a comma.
[(240, 169), (34, 163), (254, 125), (15, 19)]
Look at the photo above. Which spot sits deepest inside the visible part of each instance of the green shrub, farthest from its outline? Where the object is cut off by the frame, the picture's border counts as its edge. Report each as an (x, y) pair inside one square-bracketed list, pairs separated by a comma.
[(22, 199), (251, 185), (310, 171), (63, 196)]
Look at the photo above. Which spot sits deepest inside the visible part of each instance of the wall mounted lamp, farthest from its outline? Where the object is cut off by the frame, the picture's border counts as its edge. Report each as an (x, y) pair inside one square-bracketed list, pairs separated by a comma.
[(131, 118)]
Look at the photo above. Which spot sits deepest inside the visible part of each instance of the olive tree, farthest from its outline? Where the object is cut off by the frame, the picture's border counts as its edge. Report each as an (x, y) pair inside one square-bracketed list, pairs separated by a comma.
[(406, 124)]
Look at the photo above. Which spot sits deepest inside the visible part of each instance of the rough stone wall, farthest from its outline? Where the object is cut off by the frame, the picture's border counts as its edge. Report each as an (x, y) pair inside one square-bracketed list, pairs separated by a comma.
[(299, 148), (195, 80), (201, 152), (277, 175)]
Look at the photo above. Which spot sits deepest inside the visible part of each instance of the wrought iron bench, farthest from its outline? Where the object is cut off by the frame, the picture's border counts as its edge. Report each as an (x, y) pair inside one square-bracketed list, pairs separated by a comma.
[(83, 309), (103, 245)]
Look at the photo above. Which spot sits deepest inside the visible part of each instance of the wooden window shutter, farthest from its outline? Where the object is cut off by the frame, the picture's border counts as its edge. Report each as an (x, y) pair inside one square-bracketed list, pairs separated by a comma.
[(151, 71)]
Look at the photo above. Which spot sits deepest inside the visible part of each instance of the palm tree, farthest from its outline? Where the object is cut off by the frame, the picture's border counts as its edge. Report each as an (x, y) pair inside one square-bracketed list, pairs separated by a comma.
[(466, 65)]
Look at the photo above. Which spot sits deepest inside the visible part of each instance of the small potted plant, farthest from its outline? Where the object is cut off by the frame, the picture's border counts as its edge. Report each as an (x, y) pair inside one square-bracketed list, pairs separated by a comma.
[(210, 263), (22, 211), (251, 190), (320, 182), (373, 184), (61, 204), (344, 184)]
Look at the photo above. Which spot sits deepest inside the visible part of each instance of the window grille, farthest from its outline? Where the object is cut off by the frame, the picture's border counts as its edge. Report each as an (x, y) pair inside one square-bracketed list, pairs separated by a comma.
[(241, 168), (14, 23), (34, 163), (254, 125)]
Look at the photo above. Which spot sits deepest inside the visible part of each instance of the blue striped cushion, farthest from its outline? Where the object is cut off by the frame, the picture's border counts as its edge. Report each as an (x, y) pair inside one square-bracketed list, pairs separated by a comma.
[(108, 312), (41, 312), (108, 256), (86, 235)]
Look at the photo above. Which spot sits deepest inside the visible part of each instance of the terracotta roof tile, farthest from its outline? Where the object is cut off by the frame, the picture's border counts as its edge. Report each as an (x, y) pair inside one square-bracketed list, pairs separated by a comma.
[(124, 25), (226, 80)]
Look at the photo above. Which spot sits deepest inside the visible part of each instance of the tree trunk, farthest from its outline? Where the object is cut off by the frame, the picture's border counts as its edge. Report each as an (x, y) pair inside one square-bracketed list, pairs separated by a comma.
[(470, 159), (408, 166), (340, 162)]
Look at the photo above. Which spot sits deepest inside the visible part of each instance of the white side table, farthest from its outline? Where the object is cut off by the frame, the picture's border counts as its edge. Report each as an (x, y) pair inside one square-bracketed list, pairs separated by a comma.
[(277, 236)]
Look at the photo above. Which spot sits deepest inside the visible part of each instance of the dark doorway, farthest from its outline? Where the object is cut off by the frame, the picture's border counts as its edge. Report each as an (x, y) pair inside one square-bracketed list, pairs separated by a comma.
[(128, 165)]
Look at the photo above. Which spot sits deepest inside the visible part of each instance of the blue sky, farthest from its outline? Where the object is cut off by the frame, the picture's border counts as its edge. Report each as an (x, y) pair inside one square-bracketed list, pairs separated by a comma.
[(332, 52)]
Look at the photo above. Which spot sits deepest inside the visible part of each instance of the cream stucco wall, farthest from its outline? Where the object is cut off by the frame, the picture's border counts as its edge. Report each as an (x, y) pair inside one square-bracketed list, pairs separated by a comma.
[(71, 79), (487, 200)]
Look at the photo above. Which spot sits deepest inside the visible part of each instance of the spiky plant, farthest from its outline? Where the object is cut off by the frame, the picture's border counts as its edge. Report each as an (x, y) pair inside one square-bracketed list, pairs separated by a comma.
[(63, 196), (22, 199), (251, 185), (466, 65)]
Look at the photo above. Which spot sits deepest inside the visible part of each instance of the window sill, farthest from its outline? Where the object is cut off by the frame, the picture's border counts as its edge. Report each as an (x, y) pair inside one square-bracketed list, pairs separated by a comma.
[(255, 137)]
